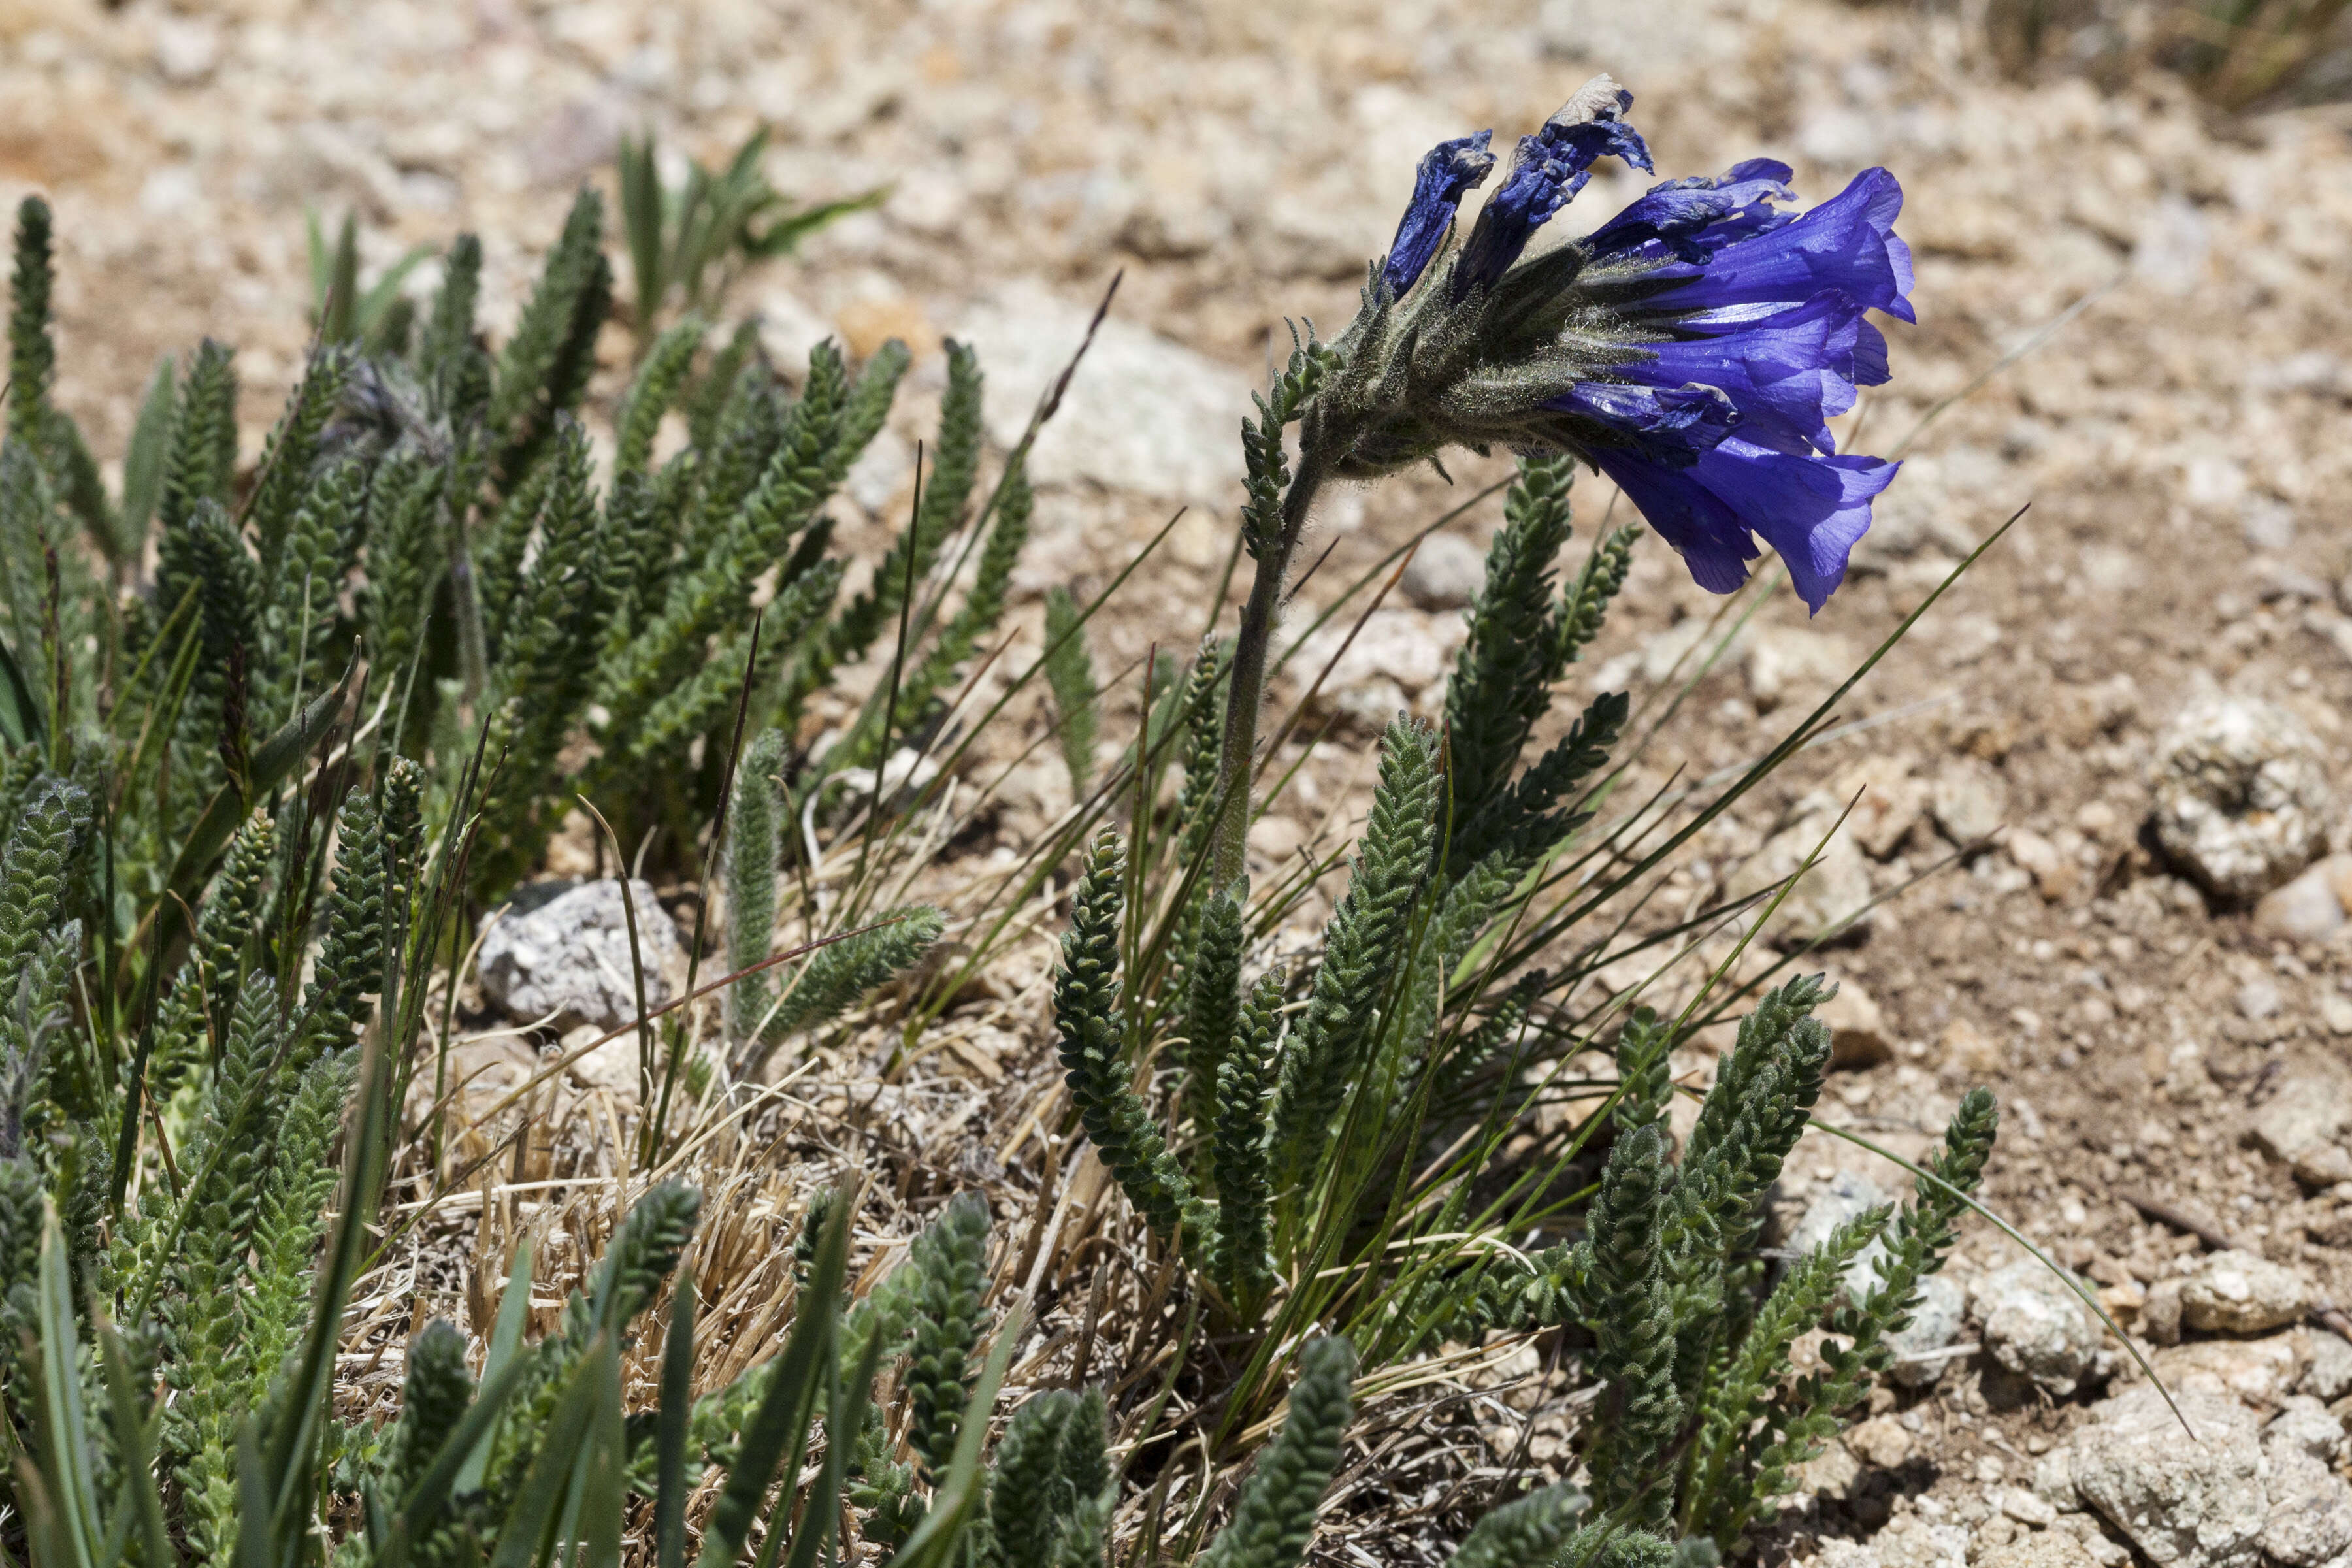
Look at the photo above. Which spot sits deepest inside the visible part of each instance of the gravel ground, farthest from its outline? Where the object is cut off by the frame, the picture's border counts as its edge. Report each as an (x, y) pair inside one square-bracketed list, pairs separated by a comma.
[(2182, 441)]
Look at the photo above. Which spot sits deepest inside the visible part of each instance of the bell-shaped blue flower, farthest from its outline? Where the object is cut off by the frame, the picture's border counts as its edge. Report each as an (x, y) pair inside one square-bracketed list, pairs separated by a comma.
[(1770, 312), (1694, 347)]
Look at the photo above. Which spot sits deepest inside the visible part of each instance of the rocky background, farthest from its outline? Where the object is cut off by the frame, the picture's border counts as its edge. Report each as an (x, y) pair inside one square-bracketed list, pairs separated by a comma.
[(2121, 737)]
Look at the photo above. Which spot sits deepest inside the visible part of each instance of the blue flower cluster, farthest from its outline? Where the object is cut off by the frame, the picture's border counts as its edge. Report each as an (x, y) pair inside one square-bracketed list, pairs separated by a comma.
[(1710, 335)]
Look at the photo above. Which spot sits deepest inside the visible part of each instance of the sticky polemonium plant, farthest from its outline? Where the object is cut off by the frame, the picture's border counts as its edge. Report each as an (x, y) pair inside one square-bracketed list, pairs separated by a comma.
[(1693, 348)]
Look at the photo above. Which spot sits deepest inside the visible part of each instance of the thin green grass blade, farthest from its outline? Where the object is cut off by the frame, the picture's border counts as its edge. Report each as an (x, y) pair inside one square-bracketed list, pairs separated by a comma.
[(323, 266), (380, 294), (253, 1540), (293, 1450), (1365, 578), (64, 1425), (641, 216), (847, 1415), (1598, 893), (671, 1429), (339, 302), (160, 718), (607, 1491), (271, 762), (505, 1341), (21, 721), (784, 236)]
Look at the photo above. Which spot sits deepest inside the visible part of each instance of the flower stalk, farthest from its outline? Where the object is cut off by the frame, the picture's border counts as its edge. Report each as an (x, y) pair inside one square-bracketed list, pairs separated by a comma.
[(1246, 695)]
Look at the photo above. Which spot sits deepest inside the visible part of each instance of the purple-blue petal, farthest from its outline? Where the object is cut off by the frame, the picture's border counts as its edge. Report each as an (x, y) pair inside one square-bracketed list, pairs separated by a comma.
[(1846, 243), (1788, 372), (1447, 171), (1668, 425), (1548, 168), (1691, 218), (1811, 509)]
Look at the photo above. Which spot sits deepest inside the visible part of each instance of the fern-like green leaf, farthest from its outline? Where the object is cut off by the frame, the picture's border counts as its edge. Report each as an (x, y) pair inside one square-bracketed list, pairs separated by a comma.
[(950, 1268), (32, 355), (1523, 1532), (753, 842), (824, 985), (1362, 947), (1070, 672), (1275, 1515), (1213, 1007), (1634, 1328), (1238, 1258), (659, 382), (1093, 1048)]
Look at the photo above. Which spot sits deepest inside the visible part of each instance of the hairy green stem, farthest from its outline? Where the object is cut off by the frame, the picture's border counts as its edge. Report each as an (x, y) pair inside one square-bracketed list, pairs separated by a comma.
[(1228, 842)]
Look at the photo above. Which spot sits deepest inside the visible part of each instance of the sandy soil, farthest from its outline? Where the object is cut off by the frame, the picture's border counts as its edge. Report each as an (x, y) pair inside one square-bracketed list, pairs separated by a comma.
[(2185, 441)]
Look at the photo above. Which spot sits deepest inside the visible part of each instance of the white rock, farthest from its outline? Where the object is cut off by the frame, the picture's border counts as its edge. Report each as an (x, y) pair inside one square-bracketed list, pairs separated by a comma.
[(481, 1072), (2172, 246), (611, 1067), (567, 958), (1787, 661), (2303, 1425), (2324, 1165), (2335, 1012), (2238, 1293), (2042, 1548), (1859, 1036), (1832, 1473), (2028, 1508), (2053, 1479), (1913, 1543), (1412, 648), (2241, 795), (1935, 1324), (1914, 525), (907, 772), (1372, 704), (1445, 574), (1880, 1442), (1842, 136), (789, 330), (2258, 998), (2105, 1550), (1839, 1552), (881, 472), (2306, 1110), (1888, 804), (2254, 1371), (1143, 414), (2183, 1504), (2327, 1376), (2053, 871), (187, 48), (2310, 908), (2310, 1518), (1967, 799), (2035, 1325)]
